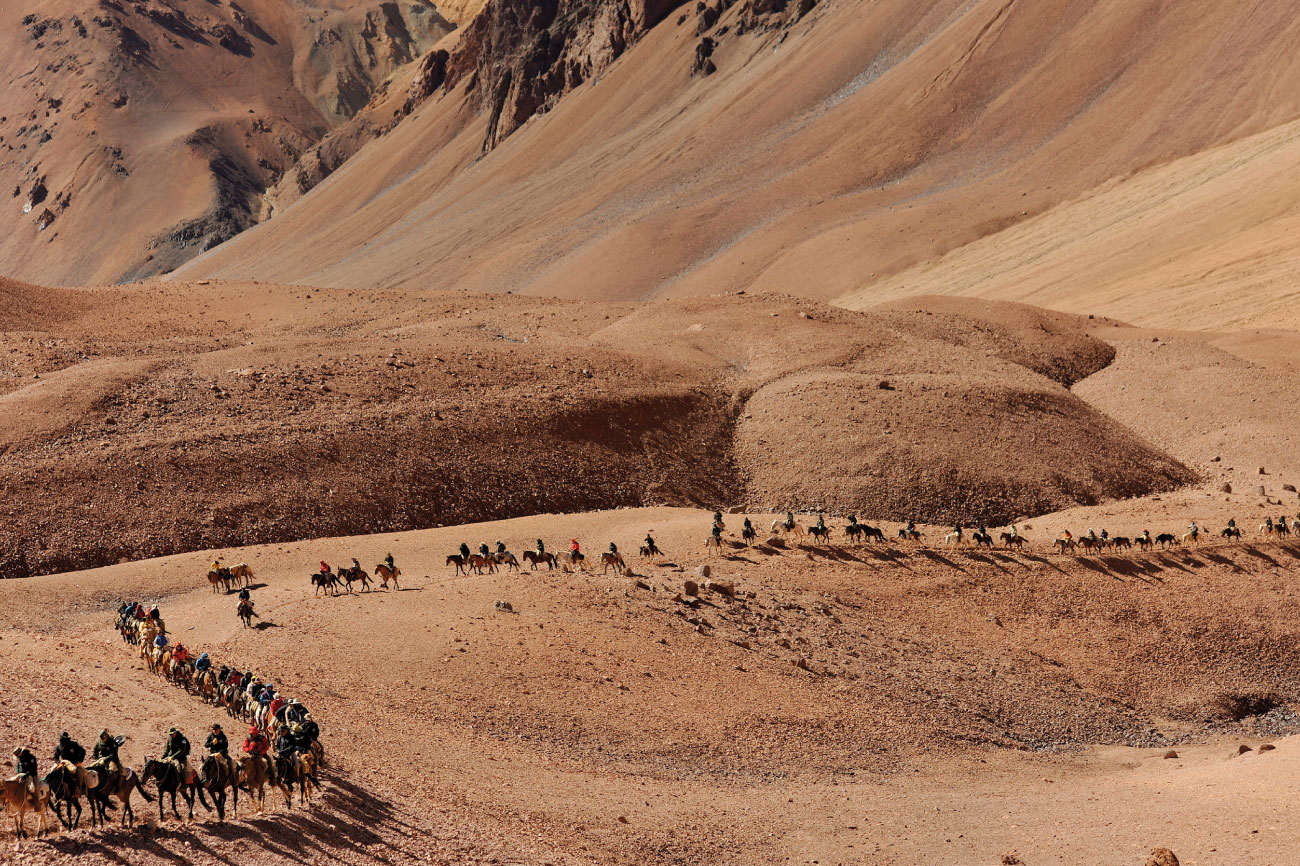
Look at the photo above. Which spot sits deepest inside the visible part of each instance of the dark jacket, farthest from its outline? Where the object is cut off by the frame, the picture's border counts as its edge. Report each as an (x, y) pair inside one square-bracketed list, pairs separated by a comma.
[(464, 550), (69, 750), (301, 741), (26, 763), (285, 744), (106, 751), (178, 747), (311, 730), (217, 742)]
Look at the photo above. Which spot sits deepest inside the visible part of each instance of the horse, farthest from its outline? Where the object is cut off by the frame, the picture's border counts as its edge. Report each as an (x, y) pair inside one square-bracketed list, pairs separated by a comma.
[(1266, 528), (575, 558), (1009, 541), (1065, 544), (385, 574), (1144, 541), (167, 778), (1121, 541), (713, 543), (1191, 538), (215, 776), (478, 562), (533, 558), (18, 797), (650, 549), (461, 563), (254, 776), (872, 533), (242, 574), (207, 686), (982, 539), (954, 538), (298, 767), (612, 560), (65, 790), (1281, 528), (325, 580), (820, 533), (1090, 543), (854, 531), (913, 535), (749, 535), (507, 559), (245, 611), (120, 785), (354, 574), (1165, 539), (219, 581), (796, 530)]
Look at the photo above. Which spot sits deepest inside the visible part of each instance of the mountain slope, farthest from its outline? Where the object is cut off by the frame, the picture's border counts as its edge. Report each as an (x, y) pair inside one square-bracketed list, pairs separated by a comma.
[(825, 153), (135, 135)]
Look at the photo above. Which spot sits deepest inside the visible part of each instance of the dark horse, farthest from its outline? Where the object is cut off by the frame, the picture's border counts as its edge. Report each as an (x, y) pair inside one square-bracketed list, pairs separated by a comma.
[(168, 779), (65, 790), (325, 580), (820, 533), (215, 777)]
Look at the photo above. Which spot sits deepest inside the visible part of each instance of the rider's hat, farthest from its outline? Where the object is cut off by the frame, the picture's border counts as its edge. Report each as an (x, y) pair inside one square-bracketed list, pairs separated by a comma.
[(173, 730)]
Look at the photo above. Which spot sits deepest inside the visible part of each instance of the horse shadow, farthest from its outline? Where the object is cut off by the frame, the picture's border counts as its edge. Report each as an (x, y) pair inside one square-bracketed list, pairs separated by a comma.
[(265, 624), (936, 556), (1259, 554), (1043, 560), (987, 559)]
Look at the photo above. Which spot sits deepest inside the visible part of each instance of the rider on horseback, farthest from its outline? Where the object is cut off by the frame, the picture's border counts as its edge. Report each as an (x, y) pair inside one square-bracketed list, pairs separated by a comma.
[(541, 548), (202, 664), (1012, 533), (484, 550), (74, 753), (574, 547), (177, 753), (105, 754), (717, 534), (256, 746), (219, 747), (613, 549), (388, 561), (789, 520), (501, 547), (25, 765), (1194, 530), (464, 551)]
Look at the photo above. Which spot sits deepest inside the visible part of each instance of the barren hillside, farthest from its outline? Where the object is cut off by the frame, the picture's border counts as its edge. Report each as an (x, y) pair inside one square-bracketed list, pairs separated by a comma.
[(829, 153)]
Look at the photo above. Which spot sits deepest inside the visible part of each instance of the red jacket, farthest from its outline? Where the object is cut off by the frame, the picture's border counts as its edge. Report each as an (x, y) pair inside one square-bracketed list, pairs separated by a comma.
[(257, 745), (276, 703)]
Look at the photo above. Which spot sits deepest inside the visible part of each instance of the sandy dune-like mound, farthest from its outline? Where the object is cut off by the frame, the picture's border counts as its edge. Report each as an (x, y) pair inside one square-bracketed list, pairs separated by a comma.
[(176, 417)]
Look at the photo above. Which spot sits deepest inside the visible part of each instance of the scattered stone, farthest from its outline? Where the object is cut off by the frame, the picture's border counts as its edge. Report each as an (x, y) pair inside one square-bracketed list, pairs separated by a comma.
[(692, 588), (884, 385), (1268, 747), (1012, 859), (1260, 490), (801, 663), (504, 606), (1243, 749), (1261, 471), (627, 572), (997, 621), (1170, 755), (703, 571), (622, 819), (1162, 857), (641, 584), (774, 541), (1289, 488), (722, 588)]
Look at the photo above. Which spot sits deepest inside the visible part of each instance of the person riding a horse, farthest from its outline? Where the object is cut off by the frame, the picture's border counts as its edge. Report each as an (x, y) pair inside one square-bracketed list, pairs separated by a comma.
[(501, 547), (748, 525), (484, 550), (1232, 523), (177, 753), (1194, 530), (1090, 535), (613, 549), (218, 746), (105, 754), (541, 548), (789, 520), (574, 547), (25, 767), (202, 663), (717, 534), (1012, 531), (388, 561), (256, 746), (1067, 535)]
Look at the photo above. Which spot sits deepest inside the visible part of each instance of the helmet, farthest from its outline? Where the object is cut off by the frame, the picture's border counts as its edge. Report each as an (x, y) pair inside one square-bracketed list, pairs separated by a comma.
[(103, 734)]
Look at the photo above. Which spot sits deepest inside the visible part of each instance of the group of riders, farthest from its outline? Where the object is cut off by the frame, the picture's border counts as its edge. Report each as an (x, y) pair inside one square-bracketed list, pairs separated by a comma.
[(326, 578), (295, 731), (489, 557)]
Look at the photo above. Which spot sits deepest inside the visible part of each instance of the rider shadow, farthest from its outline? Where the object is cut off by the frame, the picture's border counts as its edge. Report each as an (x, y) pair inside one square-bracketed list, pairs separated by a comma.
[(1219, 559), (265, 624), (253, 586), (1166, 562), (1043, 560), (987, 560), (1256, 552), (1097, 566), (936, 556), (1289, 549)]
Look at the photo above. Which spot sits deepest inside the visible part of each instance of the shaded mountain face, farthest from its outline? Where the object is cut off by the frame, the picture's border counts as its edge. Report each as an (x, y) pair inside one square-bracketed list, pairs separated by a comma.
[(134, 136)]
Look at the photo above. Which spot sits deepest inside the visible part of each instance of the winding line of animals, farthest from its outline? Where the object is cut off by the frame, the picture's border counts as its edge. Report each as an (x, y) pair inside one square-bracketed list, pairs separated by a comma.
[(282, 749)]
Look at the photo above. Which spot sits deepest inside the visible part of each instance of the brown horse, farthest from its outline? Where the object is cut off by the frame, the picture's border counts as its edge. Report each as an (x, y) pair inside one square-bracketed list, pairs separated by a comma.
[(612, 560), (325, 580), (1009, 541), (20, 796), (385, 574), (121, 785), (216, 775), (246, 614), (254, 776), (242, 574), (533, 558), (461, 563), (478, 562), (508, 559), (1065, 544)]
